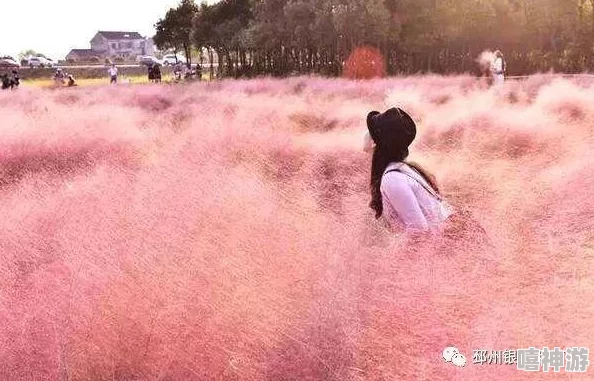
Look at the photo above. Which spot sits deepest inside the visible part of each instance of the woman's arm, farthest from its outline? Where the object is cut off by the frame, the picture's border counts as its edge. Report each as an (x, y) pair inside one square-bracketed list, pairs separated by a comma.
[(403, 200)]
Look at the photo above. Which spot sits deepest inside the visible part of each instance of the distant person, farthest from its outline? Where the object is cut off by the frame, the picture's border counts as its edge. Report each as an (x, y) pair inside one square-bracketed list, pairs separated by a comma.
[(5, 82), (71, 80), (157, 73), (8, 82), (177, 76), (177, 71), (16, 80), (113, 73), (151, 73), (198, 72), (59, 77), (402, 192), (498, 68), (178, 67)]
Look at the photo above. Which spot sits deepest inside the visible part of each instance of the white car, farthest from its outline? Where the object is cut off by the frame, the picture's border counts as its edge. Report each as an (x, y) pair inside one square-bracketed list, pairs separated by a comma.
[(40, 62), (170, 59), (8, 61), (148, 60)]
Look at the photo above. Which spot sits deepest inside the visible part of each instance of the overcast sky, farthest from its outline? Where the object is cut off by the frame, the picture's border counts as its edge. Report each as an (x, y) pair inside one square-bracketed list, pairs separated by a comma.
[(53, 27)]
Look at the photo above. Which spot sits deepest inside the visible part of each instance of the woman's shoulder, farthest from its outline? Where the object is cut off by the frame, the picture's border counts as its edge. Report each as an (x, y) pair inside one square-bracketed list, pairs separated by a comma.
[(393, 177), (398, 170)]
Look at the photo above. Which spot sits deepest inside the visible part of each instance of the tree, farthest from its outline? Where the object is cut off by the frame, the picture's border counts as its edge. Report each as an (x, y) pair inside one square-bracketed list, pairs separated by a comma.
[(280, 37), (174, 31), (202, 36), (29, 53), (221, 27)]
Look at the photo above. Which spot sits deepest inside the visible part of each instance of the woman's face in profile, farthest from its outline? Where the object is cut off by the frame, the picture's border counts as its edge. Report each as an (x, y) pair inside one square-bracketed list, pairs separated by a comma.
[(368, 143)]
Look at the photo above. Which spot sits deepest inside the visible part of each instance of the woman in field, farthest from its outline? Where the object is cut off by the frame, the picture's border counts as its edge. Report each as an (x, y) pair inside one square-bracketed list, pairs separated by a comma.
[(498, 68), (402, 192), (16, 79), (5, 81), (157, 73), (59, 77), (113, 74), (71, 80), (151, 73)]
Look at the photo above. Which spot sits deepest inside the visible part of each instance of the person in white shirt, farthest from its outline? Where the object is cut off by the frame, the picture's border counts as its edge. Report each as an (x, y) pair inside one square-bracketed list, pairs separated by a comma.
[(59, 77), (113, 73), (498, 68), (403, 193)]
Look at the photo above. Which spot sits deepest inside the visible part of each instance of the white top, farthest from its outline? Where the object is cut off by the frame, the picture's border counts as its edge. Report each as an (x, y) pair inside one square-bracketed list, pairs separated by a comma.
[(497, 66), (409, 202), (113, 71)]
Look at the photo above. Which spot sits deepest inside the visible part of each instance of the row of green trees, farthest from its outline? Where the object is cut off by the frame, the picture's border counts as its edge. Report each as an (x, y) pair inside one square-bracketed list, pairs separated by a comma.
[(280, 37)]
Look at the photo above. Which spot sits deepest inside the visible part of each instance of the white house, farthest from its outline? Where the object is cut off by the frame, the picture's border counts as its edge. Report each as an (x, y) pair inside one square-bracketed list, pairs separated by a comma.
[(124, 45)]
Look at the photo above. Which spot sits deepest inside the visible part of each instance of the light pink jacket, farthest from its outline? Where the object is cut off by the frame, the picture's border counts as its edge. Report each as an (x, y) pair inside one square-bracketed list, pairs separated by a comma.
[(409, 202)]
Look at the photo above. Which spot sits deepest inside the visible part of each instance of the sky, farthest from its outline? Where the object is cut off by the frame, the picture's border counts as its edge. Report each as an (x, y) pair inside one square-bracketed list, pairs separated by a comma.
[(54, 27)]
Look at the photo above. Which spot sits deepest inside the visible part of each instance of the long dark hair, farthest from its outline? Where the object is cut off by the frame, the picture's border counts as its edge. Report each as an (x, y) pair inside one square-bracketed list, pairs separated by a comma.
[(379, 162)]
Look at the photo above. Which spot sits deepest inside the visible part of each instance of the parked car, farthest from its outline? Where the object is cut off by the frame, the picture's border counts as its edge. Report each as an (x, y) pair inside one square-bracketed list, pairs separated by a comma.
[(40, 62), (170, 59), (50, 62), (8, 61), (148, 60)]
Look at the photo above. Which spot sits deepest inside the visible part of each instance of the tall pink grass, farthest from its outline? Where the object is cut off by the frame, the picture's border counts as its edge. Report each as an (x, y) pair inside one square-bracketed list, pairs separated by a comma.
[(221, 231)]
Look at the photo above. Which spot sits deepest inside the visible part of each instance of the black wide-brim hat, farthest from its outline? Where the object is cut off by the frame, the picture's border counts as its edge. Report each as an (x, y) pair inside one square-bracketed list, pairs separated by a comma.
[(393, 129)]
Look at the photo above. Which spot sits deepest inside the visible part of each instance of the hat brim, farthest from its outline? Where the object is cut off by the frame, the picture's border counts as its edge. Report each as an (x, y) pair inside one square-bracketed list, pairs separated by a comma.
[(372, 118)]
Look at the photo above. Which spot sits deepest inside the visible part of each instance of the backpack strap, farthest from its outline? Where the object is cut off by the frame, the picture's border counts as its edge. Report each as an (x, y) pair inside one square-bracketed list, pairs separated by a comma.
[(419, 179)]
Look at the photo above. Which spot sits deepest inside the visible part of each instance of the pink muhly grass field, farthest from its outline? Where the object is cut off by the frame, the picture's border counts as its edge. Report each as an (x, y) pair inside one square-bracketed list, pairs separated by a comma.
[(221, 231)]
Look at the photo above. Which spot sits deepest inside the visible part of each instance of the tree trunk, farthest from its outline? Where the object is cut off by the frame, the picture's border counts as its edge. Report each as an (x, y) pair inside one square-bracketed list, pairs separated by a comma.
[(229, 63), (295, 61), (188, 52), (220, 63)]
